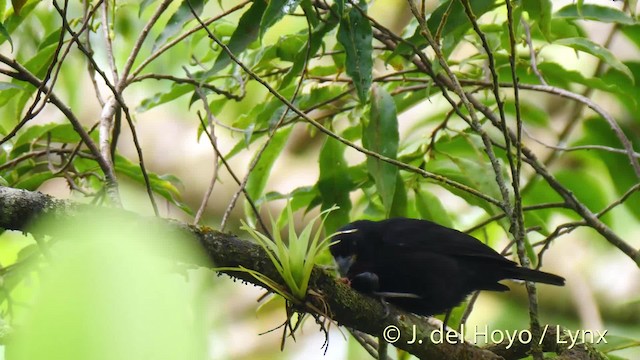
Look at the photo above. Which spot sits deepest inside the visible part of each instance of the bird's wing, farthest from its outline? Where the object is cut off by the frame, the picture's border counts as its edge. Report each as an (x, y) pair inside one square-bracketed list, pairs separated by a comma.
[(421, 237)]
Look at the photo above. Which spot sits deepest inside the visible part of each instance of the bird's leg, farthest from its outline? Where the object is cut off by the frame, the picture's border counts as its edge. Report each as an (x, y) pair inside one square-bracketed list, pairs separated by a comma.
[(369, 283), (385, 306), (446, 318)]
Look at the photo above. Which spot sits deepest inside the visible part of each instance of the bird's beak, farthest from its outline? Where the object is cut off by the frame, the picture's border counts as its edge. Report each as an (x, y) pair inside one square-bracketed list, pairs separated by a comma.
[(344, 263)]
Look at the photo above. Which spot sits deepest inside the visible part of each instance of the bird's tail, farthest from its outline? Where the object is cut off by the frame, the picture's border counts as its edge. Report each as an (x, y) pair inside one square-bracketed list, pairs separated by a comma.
[(521, 273)]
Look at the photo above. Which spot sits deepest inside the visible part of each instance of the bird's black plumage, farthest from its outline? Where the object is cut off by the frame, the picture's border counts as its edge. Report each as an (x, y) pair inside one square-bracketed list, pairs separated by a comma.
[(423, 267)]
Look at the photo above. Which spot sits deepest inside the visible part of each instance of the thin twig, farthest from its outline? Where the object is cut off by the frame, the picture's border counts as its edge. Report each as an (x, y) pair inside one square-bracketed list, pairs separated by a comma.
[(107, 31), (216, 155), (234, 176), (581, 147), (532, 51)]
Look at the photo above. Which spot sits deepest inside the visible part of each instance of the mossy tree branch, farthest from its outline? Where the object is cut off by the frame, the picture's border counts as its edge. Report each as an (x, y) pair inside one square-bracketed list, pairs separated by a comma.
[(20, 208)]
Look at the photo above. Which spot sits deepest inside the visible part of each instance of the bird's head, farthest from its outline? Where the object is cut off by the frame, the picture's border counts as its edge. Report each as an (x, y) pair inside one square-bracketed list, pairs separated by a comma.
[(347, 246)]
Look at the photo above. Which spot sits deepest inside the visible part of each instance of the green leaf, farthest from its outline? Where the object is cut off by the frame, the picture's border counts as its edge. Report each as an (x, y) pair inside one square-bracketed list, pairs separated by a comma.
[(247, 32), (18, 5), (263, 116), (32, 180), (160, 98), (114, 269), (164, 185), (13, 20), (5, 34), (629, 91), (632, 32), (334, 184), (315, 41), (63, 133), (588, 46), (530, 252), (565, 28), (597, 131), (617, 342), (430, 208), (381, 136), (473, 172), (143, 5), (339, 4), (356, 36), (540, 13), (531, 113), (557, 75), (603, 14), (260, 174), (36, 65), (399, 206), (182, 15), (588, 188), (299, 198), (6, 86), (275, 11)]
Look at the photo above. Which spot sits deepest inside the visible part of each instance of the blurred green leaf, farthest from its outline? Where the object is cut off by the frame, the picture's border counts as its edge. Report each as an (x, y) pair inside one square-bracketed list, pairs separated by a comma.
[(597, 131), (261, 172), (605, 14), (111, 296), (632, 32), (400, 204), (14, 20), (28, 138), (565, 28), (381, 136), (276, 10), (160, 98), (5, 34), (299, 198), (164, 185), (616, 342), (17, 5), (430, 208), (585, 186), (530, 112), (6, 86), (32, 180), (246, 32), (180, 17), (51, 39), (143, 5), (315, 41), (265, 114), (629, 90), (590, 47), (37, 65), (540, 13), (475, 173), (334, 184), (355, 36)]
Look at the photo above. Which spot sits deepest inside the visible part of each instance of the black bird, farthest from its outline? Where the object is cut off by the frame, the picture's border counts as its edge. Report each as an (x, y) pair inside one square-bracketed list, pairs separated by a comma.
[(420, 266)]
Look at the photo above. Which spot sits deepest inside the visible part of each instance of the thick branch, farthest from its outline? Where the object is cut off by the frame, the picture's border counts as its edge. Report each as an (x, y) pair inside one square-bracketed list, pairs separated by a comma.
[(20, 208)]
